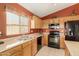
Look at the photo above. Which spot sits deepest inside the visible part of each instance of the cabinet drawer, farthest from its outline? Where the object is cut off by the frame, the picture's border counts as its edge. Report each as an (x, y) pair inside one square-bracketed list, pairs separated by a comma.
[(17, 54), (0, 54), (6, 53), (26, 43), (11, 51)]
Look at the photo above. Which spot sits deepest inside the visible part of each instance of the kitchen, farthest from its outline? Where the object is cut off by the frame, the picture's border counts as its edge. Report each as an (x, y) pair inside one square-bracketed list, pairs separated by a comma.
[(25, 32)]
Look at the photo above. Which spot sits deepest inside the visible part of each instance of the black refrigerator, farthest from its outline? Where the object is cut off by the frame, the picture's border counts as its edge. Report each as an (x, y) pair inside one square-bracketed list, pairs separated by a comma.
[(72, 30)]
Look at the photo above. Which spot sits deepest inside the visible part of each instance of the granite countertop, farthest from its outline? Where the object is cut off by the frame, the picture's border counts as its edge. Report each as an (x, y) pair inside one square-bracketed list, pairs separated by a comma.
[(15, 41), (73, 47)]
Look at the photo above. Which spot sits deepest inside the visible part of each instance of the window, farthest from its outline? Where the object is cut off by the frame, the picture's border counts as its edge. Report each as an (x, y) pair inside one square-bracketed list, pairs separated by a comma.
[(12, 18), (24, 24), (16, 24)]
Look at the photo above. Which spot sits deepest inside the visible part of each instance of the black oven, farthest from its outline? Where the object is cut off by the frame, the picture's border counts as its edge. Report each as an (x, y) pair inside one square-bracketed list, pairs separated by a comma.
[(54, 39), (54, 36)]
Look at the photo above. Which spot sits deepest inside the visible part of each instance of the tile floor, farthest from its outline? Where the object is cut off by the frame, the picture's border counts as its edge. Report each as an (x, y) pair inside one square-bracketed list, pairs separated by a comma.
[(48, 51)]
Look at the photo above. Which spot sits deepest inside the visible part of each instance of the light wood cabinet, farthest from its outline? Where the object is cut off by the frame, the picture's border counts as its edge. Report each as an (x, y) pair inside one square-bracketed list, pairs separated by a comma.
[(0, 54), (49, 21), (27, 49), (12, 51), (45, 40), (36, 22), (21, 50), (67, 53), (46, 23), (2, 6), (55, 21), (34, 46), (17, 54)]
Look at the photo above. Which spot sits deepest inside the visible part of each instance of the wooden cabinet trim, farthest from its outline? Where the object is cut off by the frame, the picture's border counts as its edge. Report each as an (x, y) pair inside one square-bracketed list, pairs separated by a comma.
[(26, 43)]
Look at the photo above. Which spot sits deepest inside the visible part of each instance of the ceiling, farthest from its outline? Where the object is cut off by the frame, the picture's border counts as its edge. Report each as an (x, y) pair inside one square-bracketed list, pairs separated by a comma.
[(44, 9)]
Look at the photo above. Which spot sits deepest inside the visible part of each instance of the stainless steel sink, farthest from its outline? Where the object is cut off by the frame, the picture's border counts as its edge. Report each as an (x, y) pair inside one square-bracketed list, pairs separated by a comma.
[(24, 37)]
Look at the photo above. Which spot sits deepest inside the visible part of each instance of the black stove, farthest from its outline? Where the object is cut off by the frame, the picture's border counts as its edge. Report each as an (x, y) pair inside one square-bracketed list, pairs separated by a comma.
[(54, 36)]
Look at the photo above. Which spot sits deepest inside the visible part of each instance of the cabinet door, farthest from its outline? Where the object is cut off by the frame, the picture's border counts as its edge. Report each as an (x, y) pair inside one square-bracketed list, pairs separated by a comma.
[(27, 50), (36, 22), (12, 51), (40, 23), (55, 21), (45, 40), (67, 53), (19, 53), (0, 54), (2, 6), (34, 47), (32, 24), (6, 53)]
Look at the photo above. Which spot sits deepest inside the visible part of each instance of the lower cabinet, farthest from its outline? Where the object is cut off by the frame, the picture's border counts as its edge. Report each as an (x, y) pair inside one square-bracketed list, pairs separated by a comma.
[(67, 53), (13, 51), (34, 47), (0, 54), (27, 49), (19, 53), (45, 40)]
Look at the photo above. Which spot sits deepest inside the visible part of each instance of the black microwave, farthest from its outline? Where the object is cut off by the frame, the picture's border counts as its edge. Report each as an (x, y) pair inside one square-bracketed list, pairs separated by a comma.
[(53, 26)]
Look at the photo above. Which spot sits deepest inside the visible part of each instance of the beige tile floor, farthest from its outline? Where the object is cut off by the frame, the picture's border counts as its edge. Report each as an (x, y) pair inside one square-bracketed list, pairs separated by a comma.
[(48, 51)]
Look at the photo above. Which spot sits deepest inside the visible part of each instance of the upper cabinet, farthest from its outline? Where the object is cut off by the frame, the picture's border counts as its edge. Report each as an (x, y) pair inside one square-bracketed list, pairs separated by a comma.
[(36, 22), (50, 21), (45, 23)]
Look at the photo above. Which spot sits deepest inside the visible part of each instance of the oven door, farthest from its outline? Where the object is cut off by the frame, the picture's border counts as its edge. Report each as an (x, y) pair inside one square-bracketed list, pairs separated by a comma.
[(53, 41)]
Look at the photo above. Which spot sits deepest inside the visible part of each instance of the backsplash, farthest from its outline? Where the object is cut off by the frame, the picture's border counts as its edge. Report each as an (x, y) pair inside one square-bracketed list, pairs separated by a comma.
[(36, 30)]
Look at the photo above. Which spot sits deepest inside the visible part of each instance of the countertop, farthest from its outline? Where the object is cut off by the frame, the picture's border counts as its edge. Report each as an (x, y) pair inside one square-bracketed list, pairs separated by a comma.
[(15, 41), (73, 47)]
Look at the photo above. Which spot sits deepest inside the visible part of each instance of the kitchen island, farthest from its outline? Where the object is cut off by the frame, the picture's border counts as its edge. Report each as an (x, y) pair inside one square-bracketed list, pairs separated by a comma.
[(71, 48)]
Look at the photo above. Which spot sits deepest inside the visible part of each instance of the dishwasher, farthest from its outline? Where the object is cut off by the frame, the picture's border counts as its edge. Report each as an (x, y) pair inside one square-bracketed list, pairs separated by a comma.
[(39, 43)]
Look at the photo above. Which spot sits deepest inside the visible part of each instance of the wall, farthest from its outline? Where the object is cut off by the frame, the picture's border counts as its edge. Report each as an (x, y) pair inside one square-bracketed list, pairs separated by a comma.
[(64, 12), (2, 20), (15, 8)]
